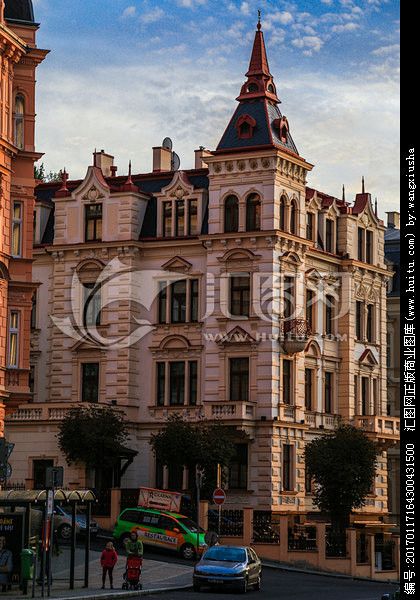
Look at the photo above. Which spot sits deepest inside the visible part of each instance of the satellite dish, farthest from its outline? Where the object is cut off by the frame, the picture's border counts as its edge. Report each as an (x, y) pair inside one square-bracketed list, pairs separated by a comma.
[(175, 161), (167, 143)]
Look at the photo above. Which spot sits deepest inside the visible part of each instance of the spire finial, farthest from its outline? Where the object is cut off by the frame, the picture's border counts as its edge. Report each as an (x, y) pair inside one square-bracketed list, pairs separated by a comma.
[(344, 194), (129, 173), (259, 20), (363, 184), (376, 207)]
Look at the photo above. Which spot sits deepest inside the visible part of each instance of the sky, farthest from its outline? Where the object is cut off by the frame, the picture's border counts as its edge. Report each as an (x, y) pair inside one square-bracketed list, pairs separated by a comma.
[(122, 75)]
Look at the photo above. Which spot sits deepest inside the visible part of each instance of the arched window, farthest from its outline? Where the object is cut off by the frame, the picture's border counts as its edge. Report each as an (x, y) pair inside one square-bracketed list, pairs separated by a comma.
[(253, 213), (283, 213), (19, 121), (293, 217), (231, 214)]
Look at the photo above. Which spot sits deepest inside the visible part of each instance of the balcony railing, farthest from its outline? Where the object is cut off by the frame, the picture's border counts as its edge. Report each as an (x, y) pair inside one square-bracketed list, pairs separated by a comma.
[(229, 410), (295, 334), (388, 426)]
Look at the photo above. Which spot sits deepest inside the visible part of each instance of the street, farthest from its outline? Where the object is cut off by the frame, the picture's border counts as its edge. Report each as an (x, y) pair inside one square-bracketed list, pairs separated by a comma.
[(277, 584)]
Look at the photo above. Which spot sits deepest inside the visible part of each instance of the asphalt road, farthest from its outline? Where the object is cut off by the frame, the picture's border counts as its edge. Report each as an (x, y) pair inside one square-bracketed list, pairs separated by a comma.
[(277, 584)]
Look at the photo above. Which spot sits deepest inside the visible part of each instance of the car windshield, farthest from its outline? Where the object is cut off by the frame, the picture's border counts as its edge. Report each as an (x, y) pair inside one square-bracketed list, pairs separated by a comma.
[(189, 524), (225, 554)]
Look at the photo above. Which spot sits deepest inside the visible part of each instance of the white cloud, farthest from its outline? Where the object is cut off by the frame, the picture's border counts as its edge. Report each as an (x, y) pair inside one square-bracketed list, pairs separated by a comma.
[(308, 43), (153, 16), (129, 12)]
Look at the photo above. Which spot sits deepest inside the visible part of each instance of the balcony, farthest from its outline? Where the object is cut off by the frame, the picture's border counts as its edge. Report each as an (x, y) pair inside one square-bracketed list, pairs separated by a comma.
[(295, 334), (230, 411), (382, 428)]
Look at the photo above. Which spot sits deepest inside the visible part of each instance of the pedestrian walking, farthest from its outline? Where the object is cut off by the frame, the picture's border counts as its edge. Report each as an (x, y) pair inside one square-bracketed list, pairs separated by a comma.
[(108, 561)]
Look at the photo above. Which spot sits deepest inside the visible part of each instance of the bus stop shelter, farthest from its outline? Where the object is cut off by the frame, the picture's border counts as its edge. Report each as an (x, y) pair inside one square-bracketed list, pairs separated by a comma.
[(28, 500)]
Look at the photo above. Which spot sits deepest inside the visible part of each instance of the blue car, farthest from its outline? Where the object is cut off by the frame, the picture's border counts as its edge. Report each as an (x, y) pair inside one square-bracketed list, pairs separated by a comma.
[(235, 567)]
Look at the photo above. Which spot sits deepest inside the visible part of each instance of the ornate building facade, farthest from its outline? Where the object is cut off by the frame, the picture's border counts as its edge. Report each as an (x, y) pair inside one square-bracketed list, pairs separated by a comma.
[(19, 58), (231, 291)]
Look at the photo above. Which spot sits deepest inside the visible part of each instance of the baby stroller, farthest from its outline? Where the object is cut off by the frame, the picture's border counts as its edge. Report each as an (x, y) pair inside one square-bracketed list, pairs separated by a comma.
[(132, 573)]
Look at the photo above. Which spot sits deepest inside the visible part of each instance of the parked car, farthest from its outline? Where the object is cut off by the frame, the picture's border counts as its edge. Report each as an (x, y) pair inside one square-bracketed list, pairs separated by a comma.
[(81, 520), (160, 529), (228, 566), (62, 522)]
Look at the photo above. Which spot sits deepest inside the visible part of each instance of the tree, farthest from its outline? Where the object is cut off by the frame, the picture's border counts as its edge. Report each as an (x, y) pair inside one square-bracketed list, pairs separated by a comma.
[(95, 434), (202, 445), (42, 175), (343, 465)]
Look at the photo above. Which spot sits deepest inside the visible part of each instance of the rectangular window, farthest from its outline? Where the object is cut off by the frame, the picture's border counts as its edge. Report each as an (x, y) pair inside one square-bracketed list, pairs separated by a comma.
[(176, 383), (192, 217), (91, 304), (162, 299), (310, 226), (329, 235), (287, 387), (14, 339), (359, 312), (192, 382), (329, 314), (240, 295), (93, 222), (33, 310), (160, 383), (328, 398), (310, 309), (287, 467), (369, 246), (194, 300), (365, 396), (17, 229), (32, 378), (360, 243), (288, 297), (238, 468), (90, 382), (308, 388), (179, 218), (167, 219), (40, 472), (239, 379), (369, 323), (179, 301)]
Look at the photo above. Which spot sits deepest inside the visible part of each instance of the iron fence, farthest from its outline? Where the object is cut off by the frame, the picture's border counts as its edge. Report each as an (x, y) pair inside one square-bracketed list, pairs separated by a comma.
[(102, 507), (231, 522), (362, 549), (335, 543), (266, 527), (302, 537)]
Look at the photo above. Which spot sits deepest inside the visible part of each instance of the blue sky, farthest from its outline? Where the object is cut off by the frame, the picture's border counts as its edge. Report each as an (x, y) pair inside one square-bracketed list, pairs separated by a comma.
[(124, 74)]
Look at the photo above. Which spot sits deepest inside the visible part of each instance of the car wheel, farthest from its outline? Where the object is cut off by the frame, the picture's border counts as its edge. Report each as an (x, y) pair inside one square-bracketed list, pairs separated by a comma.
[(257, 585), (244, 587), (188, 551), (64, 531), (124, 537)]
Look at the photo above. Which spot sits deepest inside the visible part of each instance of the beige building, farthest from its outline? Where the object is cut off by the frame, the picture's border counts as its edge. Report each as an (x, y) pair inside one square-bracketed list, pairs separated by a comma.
[(231, 291)]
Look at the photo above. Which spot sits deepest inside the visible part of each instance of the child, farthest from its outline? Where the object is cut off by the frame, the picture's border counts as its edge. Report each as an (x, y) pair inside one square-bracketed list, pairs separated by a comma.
[(108, 561)]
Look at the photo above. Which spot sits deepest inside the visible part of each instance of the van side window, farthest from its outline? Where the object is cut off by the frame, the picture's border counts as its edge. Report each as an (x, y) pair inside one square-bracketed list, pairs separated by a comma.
[(150, 519), (167, 523), (133, 516)]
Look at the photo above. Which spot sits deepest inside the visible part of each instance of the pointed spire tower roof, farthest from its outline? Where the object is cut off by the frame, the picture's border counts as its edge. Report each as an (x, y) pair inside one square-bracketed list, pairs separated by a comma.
[(257, 121)]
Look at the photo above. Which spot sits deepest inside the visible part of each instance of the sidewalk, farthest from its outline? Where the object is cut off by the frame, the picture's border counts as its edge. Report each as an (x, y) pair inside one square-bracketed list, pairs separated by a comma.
[(156, 576)]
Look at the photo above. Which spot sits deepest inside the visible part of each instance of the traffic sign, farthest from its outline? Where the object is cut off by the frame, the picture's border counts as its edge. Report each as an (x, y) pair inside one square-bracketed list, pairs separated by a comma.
[(219, 496)]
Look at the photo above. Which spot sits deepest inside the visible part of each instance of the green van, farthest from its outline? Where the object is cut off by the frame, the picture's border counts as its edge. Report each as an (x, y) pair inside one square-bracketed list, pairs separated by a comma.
[(160, 529)]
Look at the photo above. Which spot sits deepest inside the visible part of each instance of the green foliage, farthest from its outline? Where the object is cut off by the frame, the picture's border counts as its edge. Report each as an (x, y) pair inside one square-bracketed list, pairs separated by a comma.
[(92, 434), (42, 175), (202, 445), (343, 465)]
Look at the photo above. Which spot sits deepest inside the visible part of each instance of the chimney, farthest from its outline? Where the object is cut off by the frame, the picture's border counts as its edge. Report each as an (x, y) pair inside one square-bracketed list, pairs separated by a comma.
[(200, 155), (104, 162), (162, 159), (393, 220)]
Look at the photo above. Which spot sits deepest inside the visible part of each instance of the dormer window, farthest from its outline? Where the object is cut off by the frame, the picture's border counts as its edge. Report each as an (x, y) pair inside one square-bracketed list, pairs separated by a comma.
[(365, 245), (245, 126), (93, 222), (282, 127)]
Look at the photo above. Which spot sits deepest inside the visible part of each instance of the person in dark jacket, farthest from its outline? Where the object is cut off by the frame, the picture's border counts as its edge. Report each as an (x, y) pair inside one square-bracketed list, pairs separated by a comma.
[(108, 561)]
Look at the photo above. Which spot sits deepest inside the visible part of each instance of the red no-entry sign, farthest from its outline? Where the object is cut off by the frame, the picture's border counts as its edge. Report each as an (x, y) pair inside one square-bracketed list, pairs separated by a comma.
[(219, 496)]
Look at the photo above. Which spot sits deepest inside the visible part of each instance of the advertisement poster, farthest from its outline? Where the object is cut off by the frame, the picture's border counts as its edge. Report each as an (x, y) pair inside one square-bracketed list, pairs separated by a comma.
[(11, 540), (160, 499)]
